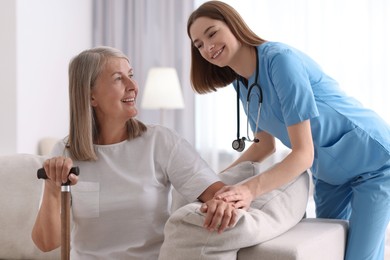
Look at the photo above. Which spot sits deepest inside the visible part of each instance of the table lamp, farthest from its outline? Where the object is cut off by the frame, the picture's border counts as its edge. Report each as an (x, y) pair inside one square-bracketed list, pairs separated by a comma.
[(162, 91)]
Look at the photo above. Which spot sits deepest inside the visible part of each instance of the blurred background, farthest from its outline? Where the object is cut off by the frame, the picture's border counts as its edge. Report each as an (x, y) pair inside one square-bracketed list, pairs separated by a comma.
[(350, 39)]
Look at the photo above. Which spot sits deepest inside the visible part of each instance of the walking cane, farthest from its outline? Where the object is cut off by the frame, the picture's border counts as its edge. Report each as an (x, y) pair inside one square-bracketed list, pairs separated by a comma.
[(65, 212)]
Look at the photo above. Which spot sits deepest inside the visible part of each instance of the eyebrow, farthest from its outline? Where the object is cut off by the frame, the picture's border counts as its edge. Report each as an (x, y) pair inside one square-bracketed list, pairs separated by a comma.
[(205, 32), (115, 72), (131, 70)]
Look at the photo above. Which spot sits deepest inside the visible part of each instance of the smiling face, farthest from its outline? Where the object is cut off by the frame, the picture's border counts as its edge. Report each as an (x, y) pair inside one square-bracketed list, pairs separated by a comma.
[(114, 94), (215, 41)]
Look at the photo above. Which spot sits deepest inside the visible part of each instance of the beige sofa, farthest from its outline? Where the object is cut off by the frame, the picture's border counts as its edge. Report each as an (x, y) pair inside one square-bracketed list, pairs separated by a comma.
[(19, 200)]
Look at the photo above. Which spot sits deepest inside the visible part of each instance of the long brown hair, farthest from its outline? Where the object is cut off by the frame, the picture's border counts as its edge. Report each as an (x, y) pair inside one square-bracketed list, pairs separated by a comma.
[(207, 77), (83, 129)]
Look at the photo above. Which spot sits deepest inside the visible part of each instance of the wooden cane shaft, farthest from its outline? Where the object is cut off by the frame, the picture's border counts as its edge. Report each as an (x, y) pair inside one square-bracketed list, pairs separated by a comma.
[(65, 225)]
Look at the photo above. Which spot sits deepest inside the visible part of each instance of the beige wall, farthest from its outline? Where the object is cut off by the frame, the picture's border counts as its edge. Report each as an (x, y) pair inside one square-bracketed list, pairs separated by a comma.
[(7, 76), (39, 38)]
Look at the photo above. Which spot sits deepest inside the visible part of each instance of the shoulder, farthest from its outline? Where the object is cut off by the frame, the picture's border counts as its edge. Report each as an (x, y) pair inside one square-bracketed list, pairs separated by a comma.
[(282, 56), (161, 134), (276, 52), (270, 49), (153, 129), (60, 147)]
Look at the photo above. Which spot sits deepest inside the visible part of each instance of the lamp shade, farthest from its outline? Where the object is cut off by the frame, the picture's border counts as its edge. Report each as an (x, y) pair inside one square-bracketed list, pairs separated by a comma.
[(162, 89)]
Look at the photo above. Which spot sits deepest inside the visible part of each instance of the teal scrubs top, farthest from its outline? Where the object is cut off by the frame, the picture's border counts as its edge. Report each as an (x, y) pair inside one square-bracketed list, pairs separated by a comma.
[(349, 140)]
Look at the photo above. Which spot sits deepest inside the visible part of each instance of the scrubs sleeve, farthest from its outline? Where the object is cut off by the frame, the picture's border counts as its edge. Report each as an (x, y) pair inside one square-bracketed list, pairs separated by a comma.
[(293, 89)]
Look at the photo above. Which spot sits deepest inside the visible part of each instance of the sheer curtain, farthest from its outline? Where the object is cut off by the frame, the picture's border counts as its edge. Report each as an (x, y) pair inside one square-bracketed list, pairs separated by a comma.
[(350, 39), (152, 33)]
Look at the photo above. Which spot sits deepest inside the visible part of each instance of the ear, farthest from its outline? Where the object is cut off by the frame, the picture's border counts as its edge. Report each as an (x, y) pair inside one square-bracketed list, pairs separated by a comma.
[(93, 101)]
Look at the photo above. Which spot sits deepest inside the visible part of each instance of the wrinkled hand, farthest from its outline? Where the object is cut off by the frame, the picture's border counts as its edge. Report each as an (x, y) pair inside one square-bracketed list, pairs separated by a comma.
[(219, 215), (240, 195), (57, 170)]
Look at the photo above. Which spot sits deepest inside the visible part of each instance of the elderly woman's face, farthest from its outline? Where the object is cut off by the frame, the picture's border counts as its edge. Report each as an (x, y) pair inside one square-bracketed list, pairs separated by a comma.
[(114, 94)]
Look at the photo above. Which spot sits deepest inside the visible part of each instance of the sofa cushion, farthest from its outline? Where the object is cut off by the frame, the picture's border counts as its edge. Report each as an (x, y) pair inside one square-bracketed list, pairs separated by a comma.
[(312, 238), (19, 199)]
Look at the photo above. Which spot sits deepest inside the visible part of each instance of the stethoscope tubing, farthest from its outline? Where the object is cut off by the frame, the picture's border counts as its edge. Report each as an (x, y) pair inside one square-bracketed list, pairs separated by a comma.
[(255, 84)]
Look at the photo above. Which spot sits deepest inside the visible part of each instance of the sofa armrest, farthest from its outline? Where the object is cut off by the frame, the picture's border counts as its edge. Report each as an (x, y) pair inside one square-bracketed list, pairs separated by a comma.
[(19, 199)]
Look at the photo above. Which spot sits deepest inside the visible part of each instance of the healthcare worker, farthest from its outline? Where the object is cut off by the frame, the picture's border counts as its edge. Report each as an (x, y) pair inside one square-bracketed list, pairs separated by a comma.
[(346, 146)]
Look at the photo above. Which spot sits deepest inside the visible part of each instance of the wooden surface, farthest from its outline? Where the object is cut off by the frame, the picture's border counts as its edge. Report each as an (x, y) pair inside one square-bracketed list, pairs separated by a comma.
[(65, 225)]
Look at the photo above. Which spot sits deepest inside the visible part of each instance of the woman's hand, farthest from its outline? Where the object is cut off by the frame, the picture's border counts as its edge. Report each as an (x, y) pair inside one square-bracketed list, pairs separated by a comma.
[(240, 195), (57, 170), (219, 215)]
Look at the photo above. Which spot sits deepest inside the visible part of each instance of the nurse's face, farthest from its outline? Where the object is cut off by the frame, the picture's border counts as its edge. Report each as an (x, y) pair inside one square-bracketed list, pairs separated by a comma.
[(214, 40)]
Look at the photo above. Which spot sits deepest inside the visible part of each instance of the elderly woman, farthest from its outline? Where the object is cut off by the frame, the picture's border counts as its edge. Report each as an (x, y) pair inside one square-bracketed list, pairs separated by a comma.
[(120, 201)]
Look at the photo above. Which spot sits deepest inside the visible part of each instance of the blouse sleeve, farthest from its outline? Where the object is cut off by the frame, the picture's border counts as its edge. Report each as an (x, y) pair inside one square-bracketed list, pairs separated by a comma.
[(189, 174)]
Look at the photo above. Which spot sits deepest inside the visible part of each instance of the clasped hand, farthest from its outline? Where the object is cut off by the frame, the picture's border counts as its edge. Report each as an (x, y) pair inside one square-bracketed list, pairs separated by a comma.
[(239, 195), (57, 170), (219, 215), (221, 211)]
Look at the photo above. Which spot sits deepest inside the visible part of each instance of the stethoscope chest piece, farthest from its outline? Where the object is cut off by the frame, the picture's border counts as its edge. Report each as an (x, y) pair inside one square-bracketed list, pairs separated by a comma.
[(239, 144)]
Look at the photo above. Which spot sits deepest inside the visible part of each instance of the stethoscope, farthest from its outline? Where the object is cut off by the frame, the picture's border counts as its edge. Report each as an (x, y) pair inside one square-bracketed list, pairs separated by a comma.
[(239, 143)]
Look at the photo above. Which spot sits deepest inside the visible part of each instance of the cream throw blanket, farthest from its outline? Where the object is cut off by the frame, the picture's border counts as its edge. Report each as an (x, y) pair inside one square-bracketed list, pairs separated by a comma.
[(270, 215)]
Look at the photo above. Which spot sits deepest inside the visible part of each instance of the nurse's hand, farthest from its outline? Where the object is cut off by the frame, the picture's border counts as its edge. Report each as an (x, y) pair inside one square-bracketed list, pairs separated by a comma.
[(240, 195), (219, 215)]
